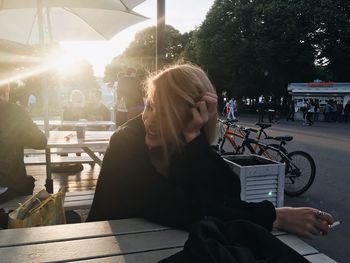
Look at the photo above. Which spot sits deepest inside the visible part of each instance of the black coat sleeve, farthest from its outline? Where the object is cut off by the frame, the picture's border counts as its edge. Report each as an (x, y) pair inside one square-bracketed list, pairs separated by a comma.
[(215, 186), (31, 136)]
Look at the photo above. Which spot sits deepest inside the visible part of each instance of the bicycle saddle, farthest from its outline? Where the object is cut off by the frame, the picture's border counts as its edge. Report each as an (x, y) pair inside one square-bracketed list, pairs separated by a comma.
[(232, 121), (263, 125), (283, 138)]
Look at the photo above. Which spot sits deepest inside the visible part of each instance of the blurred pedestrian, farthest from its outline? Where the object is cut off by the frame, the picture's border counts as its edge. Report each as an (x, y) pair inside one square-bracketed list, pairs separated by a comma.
[(290, 110), (347, 111), (261, 108)]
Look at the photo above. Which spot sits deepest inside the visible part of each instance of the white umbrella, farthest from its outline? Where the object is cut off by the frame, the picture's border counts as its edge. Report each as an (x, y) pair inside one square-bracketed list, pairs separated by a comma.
[(44, 21)]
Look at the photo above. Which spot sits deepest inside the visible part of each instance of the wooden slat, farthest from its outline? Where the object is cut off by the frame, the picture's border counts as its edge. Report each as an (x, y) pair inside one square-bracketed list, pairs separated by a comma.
[(298, 245), (78, 198), (320, 258), (77, 193), (41, 160), (94, 247), (83, 180), (81, 204), (150, 256), (262, 182), (57, 233)]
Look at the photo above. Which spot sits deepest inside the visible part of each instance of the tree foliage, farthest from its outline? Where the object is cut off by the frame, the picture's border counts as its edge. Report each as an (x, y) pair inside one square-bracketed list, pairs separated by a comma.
[(251, 47), (141, 53)]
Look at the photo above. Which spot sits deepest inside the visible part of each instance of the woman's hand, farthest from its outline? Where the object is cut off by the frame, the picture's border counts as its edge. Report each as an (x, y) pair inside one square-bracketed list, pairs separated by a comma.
[(205, 109), (302, 221)]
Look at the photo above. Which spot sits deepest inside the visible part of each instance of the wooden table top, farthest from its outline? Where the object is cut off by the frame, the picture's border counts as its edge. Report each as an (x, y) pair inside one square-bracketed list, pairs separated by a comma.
[(129, 240), (74, 123), (64, 139)]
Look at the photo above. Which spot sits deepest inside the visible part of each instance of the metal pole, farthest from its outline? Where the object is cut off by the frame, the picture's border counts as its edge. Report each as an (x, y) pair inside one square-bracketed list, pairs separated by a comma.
[(160, 49), (49, 182), (42, 45)]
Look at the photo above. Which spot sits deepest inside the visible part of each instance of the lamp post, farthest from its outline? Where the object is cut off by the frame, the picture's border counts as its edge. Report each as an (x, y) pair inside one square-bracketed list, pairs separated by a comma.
[(266, 86), (160, 42)]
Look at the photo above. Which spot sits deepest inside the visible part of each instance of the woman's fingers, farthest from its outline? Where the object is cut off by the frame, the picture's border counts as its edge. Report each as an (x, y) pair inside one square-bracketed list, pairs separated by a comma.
[(211, 101), (324, 216), (203, 110)]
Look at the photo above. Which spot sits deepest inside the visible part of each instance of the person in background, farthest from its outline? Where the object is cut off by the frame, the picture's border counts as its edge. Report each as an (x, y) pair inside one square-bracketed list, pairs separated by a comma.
[(95, 110), (328, 111), (120, 107), (340, 108), (317, 110), (304, 109), (334, 111), (291, 110), (75, 110), (31, 102), (130, 90), (231, 113), (179, 179), (271, 109), (261, 108), (347, 111), (17, 131), (310, 112)]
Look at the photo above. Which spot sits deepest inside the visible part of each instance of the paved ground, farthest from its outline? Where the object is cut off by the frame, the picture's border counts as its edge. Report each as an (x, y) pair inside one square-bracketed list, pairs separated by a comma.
[(329, 145)]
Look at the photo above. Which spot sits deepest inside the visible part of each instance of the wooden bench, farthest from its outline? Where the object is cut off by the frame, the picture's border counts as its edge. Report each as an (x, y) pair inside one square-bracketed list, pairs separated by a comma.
[(56, 159), (31, 152), (129, 240), (72, 201)]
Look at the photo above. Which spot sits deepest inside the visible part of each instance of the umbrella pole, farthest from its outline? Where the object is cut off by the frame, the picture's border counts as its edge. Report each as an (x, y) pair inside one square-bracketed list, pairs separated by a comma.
[(49, 181), (160, 42)]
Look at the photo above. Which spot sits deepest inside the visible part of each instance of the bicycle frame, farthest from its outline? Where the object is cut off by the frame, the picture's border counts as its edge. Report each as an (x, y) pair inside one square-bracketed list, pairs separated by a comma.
[(230, 136)]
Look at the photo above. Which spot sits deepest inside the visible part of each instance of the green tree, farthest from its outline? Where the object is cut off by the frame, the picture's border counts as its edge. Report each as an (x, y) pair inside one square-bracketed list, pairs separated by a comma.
[(251, 47), (141, 53)]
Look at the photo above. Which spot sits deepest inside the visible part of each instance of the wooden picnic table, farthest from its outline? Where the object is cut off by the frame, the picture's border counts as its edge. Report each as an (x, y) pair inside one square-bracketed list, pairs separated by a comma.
[(95, 141), (128, 240)]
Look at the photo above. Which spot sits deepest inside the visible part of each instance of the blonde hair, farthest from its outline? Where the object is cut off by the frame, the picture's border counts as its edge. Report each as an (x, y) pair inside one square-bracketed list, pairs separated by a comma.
[(174, 92)]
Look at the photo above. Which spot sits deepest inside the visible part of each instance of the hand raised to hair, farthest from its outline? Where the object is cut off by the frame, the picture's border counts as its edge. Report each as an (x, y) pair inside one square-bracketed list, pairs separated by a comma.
[(302, 221), (204, 110)]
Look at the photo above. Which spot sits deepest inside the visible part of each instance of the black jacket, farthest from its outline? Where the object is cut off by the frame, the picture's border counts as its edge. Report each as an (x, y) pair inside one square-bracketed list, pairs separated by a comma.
[(238, 241), (17, 131), (199, 184)]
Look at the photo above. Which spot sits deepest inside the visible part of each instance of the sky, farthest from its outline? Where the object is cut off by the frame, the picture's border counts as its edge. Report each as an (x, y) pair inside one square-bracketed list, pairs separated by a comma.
[(184, 15)]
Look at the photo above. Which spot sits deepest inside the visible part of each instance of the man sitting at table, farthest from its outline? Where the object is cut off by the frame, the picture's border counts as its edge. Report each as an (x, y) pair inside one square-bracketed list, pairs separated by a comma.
[(17, 131), (95, 110)]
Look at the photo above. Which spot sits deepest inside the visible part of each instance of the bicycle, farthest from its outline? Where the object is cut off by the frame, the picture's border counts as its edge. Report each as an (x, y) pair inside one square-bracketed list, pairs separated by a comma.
[(300, 168), (232, 135)]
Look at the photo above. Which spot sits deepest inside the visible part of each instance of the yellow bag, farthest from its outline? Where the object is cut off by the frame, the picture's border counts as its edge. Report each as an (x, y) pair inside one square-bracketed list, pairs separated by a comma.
[(42, 209)]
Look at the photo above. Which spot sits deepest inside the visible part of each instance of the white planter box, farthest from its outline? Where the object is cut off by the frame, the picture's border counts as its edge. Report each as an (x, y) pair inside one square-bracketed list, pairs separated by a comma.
[(261, 178)]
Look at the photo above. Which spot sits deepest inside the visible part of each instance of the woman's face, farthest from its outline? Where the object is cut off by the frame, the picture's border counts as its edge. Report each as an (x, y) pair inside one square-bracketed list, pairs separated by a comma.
[(151, 121)]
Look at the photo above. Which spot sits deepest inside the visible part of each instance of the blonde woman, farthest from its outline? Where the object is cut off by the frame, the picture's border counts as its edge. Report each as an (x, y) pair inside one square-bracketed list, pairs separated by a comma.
[(160, 165)]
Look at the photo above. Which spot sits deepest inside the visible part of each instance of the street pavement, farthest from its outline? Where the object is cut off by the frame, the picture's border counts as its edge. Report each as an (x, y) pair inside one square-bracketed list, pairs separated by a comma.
[(329, 145)]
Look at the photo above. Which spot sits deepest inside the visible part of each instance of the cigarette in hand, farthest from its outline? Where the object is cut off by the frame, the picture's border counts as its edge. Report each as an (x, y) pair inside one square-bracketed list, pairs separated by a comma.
[(336, 223)]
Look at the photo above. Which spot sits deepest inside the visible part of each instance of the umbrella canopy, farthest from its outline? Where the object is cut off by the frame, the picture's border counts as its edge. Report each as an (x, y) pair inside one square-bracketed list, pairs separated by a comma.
[(65, 20)]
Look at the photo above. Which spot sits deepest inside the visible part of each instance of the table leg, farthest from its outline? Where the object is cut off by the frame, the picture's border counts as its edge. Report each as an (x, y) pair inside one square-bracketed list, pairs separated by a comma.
[(92, 155), (49, 181)]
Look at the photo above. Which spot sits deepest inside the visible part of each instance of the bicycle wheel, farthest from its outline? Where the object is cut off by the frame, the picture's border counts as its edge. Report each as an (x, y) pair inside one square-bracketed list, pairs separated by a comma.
[(300, 173), (271, 154)]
